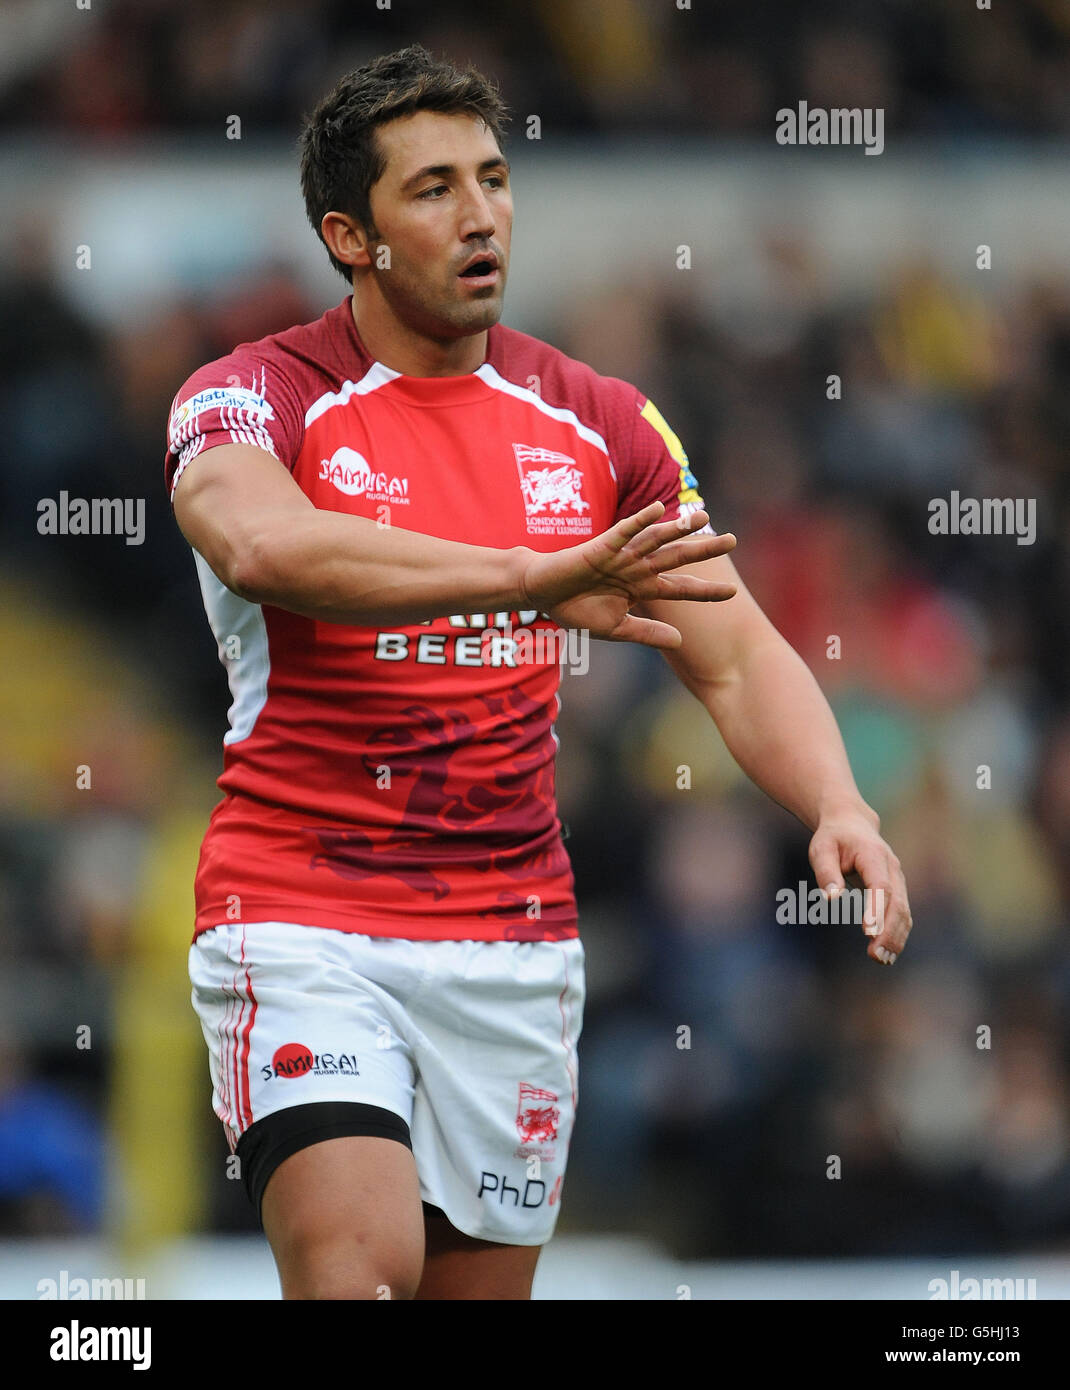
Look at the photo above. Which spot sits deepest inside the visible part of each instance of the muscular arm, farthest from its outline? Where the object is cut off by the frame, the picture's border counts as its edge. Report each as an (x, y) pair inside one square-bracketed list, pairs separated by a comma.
[(778, 726), (771, 713), (240, 508)]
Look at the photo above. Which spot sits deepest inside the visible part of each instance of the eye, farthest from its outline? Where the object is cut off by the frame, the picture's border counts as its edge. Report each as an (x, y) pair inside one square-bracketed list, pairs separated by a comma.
[(438, 188)]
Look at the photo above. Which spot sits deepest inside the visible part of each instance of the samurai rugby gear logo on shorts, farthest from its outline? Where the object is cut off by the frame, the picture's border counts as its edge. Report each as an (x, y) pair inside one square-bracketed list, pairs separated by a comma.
[(537, 1118), (293, 1060), (552, 486)]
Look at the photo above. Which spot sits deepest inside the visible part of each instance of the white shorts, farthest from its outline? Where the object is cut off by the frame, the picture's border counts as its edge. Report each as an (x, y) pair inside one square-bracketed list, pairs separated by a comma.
[(464, 1050)]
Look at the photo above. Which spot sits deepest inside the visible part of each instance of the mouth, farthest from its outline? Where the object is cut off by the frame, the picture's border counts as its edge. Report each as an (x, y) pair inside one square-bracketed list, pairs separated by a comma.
[(481, 271)]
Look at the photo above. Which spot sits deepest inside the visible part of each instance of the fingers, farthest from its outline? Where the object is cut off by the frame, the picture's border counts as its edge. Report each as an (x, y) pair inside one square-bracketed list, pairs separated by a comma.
[(690, 586), (891, 933), (670, 535), (648, 632), (643, 534), (887, 916), (825, 862), (656, 533), (838, 857), (619, 535), (672, 554)]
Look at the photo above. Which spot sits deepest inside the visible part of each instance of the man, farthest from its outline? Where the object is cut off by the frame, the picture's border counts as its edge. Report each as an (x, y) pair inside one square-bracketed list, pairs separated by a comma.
[(383, 504)]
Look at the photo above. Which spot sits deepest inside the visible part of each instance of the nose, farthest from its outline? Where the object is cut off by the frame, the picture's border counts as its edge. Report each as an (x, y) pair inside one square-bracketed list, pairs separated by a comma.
[(477, 219)]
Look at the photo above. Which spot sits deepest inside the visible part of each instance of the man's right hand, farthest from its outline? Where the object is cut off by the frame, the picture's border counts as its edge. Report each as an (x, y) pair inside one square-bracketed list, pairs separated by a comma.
[(593, 585)]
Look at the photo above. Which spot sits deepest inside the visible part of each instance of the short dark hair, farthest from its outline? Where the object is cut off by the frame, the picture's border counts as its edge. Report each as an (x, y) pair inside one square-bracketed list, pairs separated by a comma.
[(340, 156)]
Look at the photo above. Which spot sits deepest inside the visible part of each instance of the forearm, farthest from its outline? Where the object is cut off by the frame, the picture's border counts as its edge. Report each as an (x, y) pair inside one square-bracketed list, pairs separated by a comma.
[(778, 726), (345, 569)]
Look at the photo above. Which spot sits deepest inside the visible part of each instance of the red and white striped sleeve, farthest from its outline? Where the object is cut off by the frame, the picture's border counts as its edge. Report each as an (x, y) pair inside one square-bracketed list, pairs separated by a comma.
[(238, 399)]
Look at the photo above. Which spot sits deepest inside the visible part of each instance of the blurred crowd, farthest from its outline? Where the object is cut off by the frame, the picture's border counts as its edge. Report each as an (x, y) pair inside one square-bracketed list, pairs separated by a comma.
[(936, 67), (748, 1086), (824, 1105)]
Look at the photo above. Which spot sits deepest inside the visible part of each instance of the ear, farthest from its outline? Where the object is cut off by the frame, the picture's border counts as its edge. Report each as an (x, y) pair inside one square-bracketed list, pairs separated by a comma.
[(347, 239)]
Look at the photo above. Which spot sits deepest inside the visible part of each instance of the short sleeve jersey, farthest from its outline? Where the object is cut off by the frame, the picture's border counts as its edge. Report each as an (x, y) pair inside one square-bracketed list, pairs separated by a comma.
[(399, 781)]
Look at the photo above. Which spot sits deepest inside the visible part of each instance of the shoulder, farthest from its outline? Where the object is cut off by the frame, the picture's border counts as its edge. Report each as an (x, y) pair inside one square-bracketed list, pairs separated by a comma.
[(605, 403), (294, 364), (261, 391)]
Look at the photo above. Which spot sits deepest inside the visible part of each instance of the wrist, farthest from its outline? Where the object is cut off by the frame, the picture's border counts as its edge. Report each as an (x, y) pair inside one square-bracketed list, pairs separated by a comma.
[(847, 808), (518, 562)]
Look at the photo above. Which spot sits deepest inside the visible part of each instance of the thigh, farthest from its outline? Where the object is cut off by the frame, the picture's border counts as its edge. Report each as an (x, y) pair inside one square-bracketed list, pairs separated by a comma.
[(457, 1266), (495, 1027), (344, 1220), (315, 1108), (292, 1017)]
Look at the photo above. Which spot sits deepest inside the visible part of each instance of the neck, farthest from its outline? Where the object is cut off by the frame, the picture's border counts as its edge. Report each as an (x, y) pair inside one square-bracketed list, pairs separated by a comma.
[(405, 350)]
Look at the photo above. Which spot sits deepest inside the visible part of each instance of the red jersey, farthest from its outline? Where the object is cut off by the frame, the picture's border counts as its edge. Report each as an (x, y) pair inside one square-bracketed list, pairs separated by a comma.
[(399, 781)]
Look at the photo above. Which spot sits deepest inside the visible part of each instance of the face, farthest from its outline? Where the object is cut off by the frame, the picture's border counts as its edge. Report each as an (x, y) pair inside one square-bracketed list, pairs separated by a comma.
[(442, 203)]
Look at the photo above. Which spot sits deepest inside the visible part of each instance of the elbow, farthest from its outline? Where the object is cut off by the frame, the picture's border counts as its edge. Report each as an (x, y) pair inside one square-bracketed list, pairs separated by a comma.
[(252, 570), (243, 579)]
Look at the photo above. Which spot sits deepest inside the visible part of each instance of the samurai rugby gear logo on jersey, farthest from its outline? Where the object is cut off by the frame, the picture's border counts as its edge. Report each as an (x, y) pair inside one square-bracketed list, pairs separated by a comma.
[(352, 474), (292, 1060), (552, 487)]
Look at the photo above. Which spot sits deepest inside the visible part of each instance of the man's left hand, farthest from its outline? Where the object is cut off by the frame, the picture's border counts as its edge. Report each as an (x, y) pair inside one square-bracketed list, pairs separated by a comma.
[(849, 842)]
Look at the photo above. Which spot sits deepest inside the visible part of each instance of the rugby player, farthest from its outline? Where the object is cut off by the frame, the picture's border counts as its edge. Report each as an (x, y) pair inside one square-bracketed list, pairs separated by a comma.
[(382, 504)]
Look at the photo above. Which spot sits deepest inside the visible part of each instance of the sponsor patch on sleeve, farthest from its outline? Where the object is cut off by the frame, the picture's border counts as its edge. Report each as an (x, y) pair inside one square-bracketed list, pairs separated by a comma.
[(243, 412)]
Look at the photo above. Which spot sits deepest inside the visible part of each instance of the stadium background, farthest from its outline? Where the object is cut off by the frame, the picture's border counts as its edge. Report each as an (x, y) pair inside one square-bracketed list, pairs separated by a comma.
[(657, 132)]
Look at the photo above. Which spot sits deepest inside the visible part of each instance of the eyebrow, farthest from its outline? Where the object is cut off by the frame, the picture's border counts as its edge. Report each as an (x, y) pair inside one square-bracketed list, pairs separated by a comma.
[(443, 171)]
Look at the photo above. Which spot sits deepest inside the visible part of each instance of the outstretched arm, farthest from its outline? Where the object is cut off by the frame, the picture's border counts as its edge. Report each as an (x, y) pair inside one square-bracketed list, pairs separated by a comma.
[(241, 509), (778, 726)]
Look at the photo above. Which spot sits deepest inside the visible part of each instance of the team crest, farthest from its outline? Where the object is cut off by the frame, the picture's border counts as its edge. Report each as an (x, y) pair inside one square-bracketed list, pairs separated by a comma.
[(537, 1118), (552, 488)]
